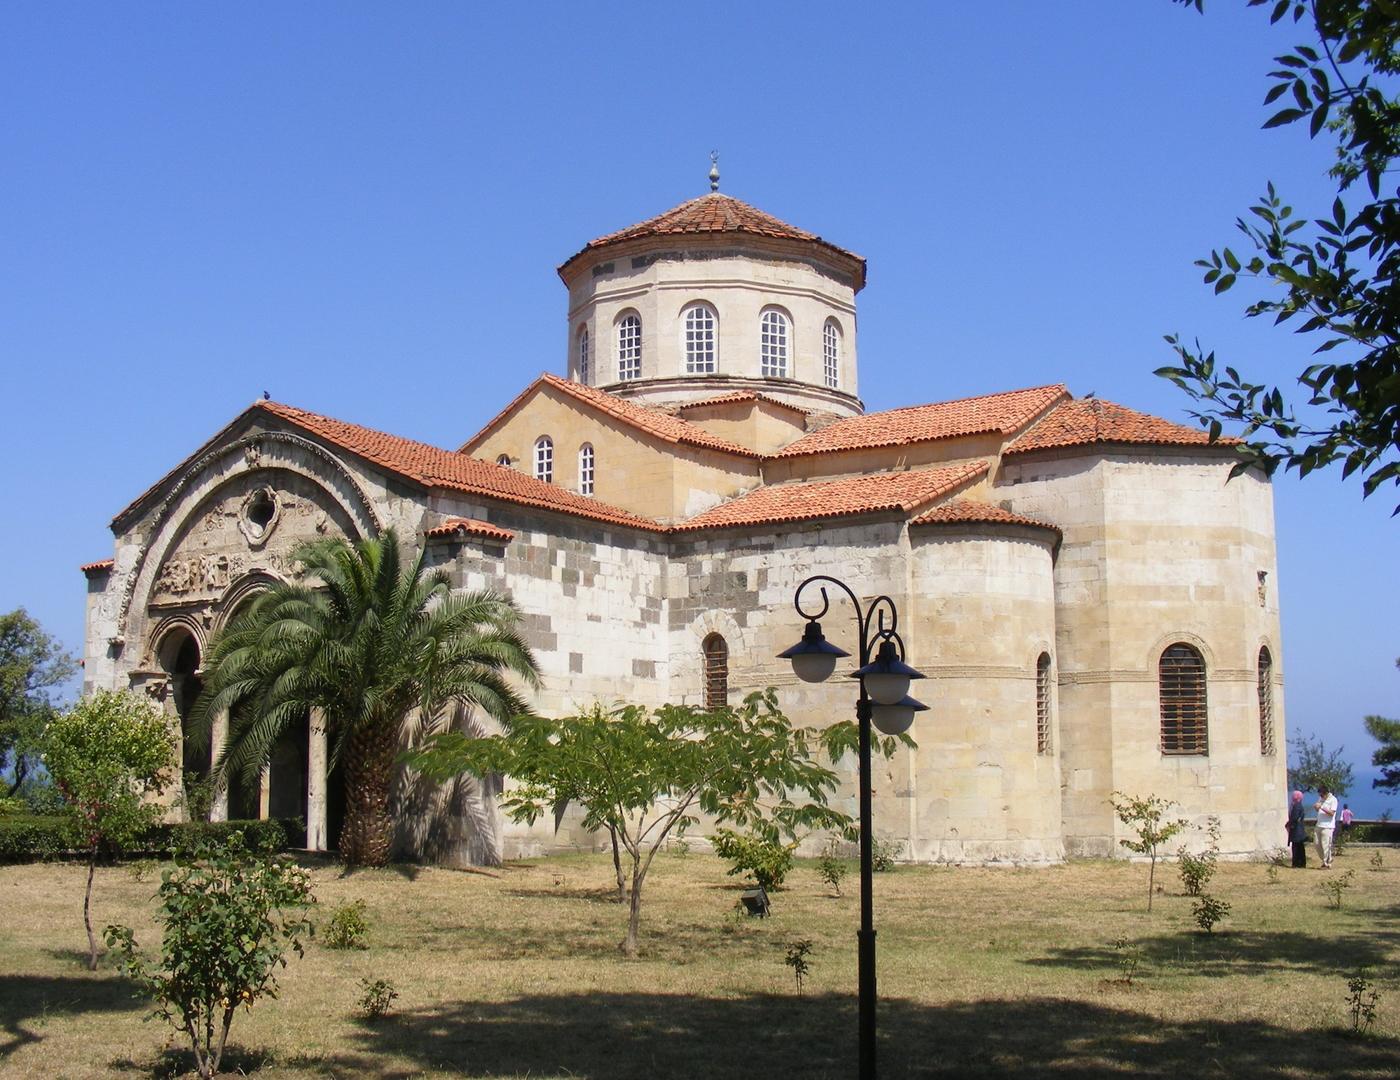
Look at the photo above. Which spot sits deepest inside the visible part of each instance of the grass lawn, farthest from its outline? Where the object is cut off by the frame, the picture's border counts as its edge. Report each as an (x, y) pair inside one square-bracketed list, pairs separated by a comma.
[(515, 973)]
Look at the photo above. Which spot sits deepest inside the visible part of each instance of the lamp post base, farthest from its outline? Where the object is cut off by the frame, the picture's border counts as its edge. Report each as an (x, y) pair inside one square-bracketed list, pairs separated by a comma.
[(865, 951)]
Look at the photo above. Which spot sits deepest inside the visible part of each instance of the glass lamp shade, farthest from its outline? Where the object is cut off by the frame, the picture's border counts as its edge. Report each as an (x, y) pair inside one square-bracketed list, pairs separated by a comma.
[(887, 689), (813, 658), (887, 676), (813, 667), (896, 719)]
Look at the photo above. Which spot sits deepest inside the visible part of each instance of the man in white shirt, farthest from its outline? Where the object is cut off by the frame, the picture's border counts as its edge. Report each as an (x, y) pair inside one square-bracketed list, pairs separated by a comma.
[(1326, 808)]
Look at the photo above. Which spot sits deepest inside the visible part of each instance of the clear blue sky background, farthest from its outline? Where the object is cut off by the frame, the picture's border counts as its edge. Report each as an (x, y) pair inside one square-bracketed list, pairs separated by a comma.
[(359, 207)]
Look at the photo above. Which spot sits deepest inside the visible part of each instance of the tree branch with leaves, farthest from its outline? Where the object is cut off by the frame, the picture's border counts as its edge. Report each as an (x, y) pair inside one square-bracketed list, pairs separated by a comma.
[(1332, 278)]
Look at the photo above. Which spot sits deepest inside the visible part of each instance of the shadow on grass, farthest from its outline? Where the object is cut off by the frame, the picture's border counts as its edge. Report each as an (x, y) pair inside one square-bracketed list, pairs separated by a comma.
[(677, 944), (643, 1036), (1230, 953), (26, 1002)]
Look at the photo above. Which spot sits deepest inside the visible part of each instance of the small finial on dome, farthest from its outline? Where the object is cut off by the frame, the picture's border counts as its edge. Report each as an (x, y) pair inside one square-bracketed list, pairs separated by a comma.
[(714, 170)]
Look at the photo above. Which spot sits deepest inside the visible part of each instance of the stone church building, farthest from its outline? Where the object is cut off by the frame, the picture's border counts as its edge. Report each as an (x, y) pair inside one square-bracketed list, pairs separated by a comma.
[(1093, 603)]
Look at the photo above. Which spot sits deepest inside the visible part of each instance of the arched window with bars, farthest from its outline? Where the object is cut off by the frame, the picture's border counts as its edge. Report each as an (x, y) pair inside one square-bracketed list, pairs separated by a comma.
[(1043, 744), (701, 337), (544, 459), (831, 353), (1181, 687), (774, 333), (716, 651), (583, 357), (629, 347), (585, 469), (1266, 701)]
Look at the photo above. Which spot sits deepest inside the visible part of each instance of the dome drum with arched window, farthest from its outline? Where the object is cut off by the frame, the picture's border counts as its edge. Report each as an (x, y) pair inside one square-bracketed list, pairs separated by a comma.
[(712, 297)]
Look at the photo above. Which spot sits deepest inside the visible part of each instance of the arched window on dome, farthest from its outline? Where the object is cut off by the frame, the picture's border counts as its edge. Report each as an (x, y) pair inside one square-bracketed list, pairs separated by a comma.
[(831, 353), (629, 346), (585, 469), (716, 651), (1042, 704), (1181, 687), (503, 459), (774, 334), (1266, 702), (544, 459), (583, 359), (701, 339)]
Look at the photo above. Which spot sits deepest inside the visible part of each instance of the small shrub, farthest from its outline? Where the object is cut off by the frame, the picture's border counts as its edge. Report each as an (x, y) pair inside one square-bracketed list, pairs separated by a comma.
[(378, 996), (1129, 956), (1335, 887), (9, 807), (1271, 872), (229, 917), (347, 926), (1362, 998), (766, 861), (796, 959), (1197, 870), (1209, 910), (1144, 817), (681, 848), (1377, 863), (1280, 858), (832, 869), (884, 854)]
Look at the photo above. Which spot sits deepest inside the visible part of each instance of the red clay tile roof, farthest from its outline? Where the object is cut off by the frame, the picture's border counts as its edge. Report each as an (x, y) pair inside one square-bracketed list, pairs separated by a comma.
[(812, 500), (735, 397), (970, 510), (711, 214), (460, 526), (663, 425), (1003, 414), (99, 567), (437, 468), (1087, 421)]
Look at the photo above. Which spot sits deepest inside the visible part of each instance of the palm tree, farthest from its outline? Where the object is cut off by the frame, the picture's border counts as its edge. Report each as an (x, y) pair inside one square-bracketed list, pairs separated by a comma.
[(372, 644)]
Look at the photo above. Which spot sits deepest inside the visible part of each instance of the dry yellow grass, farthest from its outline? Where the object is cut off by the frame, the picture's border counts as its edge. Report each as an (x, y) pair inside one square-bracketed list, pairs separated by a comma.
[(515, 973)]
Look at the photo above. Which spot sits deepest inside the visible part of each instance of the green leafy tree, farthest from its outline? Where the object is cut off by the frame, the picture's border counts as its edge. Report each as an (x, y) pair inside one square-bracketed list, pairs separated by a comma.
[(1147, 818), (1387, 758), (32, 667), (1333, 279), (229, 917), (374, 643), (1315, 767), (109, 757), (644, 774)]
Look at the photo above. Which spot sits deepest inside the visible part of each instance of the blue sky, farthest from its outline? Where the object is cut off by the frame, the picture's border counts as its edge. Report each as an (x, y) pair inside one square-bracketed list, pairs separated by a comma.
[(360, 207)]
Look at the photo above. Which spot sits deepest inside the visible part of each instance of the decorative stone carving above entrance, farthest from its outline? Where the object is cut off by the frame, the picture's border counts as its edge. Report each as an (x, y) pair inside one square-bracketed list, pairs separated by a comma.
[(258, 516)]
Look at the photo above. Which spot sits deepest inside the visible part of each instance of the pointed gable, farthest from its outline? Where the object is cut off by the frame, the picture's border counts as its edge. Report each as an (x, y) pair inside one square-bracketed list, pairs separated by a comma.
[(645, 419), (1087, 421)]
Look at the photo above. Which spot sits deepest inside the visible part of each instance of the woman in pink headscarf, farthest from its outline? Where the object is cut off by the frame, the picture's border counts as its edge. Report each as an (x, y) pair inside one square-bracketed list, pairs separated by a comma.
[(1296, 834)]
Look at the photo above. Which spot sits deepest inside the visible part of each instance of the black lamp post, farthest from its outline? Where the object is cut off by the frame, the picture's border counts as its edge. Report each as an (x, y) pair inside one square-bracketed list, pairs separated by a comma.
[(884, 700)]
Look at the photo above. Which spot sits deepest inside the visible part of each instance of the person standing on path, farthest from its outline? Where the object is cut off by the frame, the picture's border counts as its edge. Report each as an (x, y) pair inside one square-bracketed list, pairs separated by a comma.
[(1326, 808), (1297, 835)]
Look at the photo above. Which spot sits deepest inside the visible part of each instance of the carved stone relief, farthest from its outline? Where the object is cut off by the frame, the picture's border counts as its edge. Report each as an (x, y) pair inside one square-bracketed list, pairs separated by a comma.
[(248, 527)]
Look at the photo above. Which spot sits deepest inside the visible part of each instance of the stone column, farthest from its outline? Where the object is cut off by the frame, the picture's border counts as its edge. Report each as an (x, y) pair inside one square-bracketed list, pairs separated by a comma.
[(316, 783), (265, 792), (218, 809)]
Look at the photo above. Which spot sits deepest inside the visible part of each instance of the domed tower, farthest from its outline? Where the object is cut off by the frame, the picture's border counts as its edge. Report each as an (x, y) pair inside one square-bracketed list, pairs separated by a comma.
[(712, 297)]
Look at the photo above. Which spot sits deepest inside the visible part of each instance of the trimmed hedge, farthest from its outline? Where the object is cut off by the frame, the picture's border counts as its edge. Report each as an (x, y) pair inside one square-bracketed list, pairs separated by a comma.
[(32, 838)]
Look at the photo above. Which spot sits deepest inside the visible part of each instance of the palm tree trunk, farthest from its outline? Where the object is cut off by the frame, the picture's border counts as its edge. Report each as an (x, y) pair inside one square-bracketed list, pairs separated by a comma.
[(368, 834)]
